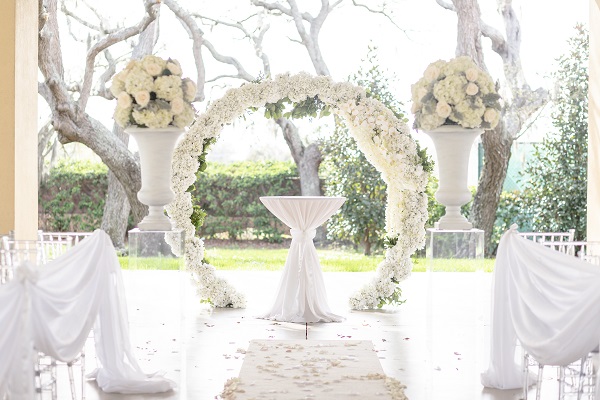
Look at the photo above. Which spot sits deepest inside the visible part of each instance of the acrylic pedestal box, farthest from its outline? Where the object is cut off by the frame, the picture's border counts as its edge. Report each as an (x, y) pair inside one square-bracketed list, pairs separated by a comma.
[(445, 248), (159, 281)]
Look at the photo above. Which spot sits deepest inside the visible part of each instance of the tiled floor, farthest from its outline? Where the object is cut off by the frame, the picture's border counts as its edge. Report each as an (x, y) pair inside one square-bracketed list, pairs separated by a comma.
[(434, 343)]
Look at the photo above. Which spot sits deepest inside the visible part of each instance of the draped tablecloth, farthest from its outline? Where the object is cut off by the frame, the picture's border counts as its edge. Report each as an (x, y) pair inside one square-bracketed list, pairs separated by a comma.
[(301, 296), (53, 307), (547, 300)]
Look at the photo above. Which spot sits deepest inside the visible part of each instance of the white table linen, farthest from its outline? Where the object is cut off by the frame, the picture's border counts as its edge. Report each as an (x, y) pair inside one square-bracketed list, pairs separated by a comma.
[(53, 308), (547, 300), (301, 296)]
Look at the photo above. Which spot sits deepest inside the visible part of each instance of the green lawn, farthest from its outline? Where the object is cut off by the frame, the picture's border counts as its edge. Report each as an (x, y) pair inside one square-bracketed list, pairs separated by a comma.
[(274, 260)]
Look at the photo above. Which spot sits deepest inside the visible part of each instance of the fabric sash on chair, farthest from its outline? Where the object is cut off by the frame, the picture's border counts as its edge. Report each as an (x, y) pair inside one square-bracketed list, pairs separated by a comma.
[(53, 309), (547, 300)]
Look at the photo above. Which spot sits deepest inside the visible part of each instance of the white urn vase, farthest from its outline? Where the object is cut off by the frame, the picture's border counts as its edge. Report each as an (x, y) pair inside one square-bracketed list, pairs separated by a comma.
[(156, 148), (453, 145)]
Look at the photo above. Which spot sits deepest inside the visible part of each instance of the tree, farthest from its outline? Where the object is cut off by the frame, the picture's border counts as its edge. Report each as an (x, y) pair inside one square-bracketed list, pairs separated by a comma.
[(520, 101), (68, 100), (556, 193), (349, 174)]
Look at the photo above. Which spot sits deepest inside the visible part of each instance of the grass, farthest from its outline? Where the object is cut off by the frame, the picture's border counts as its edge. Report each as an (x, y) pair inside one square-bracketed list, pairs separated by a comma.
[(274, 260)]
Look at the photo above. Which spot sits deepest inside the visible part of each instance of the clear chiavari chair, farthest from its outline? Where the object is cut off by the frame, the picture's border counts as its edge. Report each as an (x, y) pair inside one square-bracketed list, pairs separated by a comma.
[(576, 380), (40, 252), (15, 254), (573, 378)]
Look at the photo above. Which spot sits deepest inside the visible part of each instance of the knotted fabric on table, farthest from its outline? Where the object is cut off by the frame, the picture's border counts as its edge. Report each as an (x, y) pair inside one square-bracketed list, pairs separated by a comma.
[(53, 307), (547, 300), (301, 296)]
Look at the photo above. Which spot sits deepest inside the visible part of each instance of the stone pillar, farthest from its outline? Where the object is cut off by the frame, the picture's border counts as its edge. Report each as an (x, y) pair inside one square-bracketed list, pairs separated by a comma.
[(18, 118)]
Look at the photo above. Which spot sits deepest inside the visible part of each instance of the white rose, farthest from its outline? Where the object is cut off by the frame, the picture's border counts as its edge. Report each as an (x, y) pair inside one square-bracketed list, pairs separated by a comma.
[(177, 105), (189, 89), (472, 74), (142, 98), (491, 116), (443, 109), (153, 69), (431, 73), (472, 89), (174, 67), (124, 100)]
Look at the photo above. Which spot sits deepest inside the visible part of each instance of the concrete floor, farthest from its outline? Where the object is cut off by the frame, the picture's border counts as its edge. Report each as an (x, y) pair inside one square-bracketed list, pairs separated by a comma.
[(435, 343)]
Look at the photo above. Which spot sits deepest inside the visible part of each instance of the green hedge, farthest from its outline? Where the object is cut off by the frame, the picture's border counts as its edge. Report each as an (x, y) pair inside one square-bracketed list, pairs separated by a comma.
[(229, 193), (72, 197)]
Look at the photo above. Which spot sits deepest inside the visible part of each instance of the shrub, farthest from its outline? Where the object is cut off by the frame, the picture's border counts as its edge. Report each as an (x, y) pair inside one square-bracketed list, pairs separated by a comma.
[(73, 196), (229, 193)]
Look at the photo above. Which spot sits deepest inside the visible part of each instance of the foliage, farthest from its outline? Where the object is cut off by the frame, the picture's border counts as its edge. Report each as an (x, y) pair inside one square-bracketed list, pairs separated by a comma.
[(229, 193), (348, 173), (511, 210), (436, 209), (558, 169), (73, 196)]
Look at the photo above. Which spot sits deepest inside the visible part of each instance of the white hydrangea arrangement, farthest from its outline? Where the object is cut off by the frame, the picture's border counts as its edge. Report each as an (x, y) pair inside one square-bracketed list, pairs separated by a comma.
[(385, 141), (455, 92), (151, 93)]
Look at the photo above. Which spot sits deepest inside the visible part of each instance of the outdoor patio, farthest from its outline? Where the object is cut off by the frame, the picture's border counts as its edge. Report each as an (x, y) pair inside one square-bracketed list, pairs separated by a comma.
[(434, 343)]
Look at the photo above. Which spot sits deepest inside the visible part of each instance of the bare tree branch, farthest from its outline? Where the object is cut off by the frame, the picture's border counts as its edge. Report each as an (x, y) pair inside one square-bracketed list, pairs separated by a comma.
[(256, 39), (71, 15), (109, 40), (103, 91), (197, 35), (310, 39), (374, 11)]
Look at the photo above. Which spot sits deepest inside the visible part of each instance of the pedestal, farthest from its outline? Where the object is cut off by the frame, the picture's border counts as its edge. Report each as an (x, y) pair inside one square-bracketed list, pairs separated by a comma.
[(150, 253), (455, 250), (451, 250), (149, 250)]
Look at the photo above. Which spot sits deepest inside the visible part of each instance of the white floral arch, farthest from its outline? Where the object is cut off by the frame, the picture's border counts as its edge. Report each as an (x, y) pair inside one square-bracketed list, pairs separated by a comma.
[(385, 141)]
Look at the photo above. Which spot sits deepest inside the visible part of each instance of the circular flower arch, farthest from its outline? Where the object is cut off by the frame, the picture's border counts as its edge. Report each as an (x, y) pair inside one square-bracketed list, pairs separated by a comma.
[(385, 141)]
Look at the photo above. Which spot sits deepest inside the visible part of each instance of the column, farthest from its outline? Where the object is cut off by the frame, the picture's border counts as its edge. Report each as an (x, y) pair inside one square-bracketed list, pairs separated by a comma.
[(18, 116), (593, 194)]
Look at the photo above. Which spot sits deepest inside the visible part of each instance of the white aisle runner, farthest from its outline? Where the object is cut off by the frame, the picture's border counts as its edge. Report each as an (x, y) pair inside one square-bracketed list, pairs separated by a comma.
[(312, 369)]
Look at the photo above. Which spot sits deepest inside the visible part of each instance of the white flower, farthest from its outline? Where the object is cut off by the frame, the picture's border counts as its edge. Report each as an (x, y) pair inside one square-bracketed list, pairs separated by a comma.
[(122, 116), (443, 109), (189, 89), (153, 65), (124, 100), (142, 98), (472, 89), (168, 87), (138, 79), (431, 73), (177, 105), (472, 74), (447, 85), (174, 67), (157, 88), (491, 116)]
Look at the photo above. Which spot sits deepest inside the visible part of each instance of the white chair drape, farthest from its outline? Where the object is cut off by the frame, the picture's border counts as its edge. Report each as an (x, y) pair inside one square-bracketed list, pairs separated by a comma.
[(547, 300), (53, 308)]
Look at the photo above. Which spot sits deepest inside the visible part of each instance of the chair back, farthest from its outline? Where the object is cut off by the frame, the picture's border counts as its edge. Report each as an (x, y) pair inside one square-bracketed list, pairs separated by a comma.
[(539, 237)]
